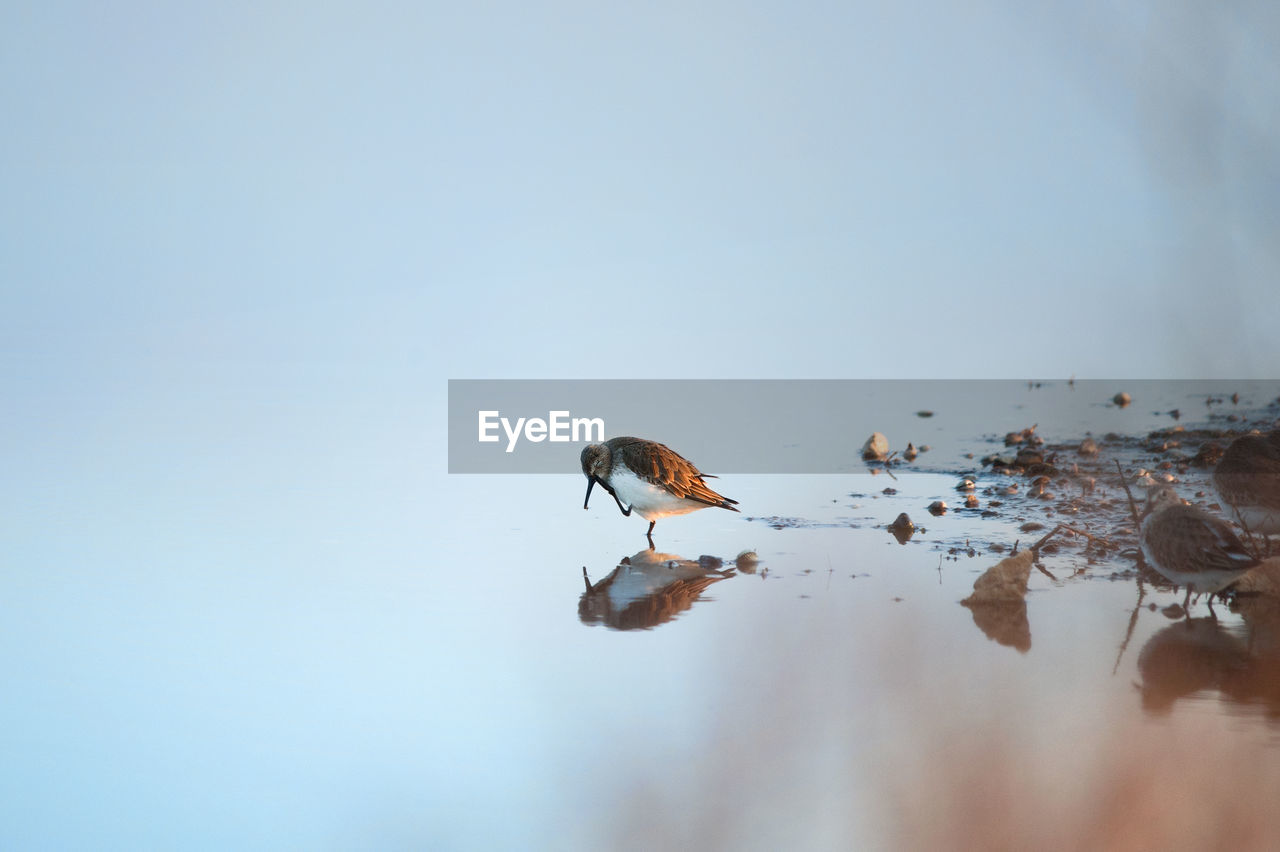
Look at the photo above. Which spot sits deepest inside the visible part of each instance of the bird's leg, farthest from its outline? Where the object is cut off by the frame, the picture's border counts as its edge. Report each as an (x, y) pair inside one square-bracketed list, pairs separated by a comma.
[(649, 535), (1187, 600)]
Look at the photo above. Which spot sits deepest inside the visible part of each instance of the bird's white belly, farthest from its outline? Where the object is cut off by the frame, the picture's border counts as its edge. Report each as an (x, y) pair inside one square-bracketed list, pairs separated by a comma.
[(647, 500)]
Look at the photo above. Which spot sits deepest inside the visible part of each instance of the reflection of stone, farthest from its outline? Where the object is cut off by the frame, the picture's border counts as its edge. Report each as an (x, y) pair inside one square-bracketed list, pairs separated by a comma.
[(998, 604), (648, 589), (1187, 657), (1005, 622)]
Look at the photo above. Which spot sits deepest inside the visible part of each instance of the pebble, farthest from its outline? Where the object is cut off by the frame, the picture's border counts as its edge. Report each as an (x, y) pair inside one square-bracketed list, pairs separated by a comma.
[(876, 447), (902, 522), (902, 528), (1027, 457)]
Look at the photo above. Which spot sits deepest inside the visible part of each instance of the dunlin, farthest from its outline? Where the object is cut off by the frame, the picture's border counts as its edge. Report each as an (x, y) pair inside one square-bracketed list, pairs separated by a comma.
[(1189, 547), (652, 479), (1247, 479)]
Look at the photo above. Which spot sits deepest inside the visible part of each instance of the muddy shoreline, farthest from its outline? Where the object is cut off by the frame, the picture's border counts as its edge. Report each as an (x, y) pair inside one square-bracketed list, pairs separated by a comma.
[(1015, 487)]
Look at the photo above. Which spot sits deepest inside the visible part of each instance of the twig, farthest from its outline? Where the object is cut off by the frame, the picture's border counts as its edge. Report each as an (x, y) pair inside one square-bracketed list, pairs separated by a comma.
[(1133, 620), (1074, 531), (1039, 544), (1035, 549), (1133, 507)]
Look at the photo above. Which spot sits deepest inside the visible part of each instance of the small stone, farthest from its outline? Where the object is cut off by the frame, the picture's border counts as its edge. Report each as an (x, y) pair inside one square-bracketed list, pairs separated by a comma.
[(876, 447), (1026, 436), (1088, 447), (924, 414), (1122, 399), (971, 501), (937, 507), (1027, 457), (902, 528), (910, 452), (966, 484), (1209, 454), (903, 521), (1004, 581)]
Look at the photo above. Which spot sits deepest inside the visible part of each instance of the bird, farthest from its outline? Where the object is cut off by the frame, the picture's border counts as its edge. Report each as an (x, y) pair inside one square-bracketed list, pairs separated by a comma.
[(1190, 547), (652, 479), (1247, 478)]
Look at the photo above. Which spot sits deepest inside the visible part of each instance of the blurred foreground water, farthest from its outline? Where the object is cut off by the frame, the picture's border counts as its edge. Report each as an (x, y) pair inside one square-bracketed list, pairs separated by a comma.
[(358, 661)]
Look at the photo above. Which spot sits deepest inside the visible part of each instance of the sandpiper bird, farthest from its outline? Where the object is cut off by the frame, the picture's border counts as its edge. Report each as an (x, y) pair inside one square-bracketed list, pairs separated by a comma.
[(1189, 547), (652, 479), (1247, 479)]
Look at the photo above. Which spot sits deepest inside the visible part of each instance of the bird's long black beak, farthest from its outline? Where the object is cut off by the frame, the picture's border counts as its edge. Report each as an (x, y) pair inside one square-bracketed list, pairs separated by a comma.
[(591, 482)]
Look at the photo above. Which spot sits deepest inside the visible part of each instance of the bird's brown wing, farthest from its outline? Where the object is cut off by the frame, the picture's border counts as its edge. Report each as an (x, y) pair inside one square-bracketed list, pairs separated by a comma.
[(1210, 544), (664, 467)]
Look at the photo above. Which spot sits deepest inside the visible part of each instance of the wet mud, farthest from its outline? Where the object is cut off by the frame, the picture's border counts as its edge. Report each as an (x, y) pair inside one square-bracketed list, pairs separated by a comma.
[(1014, 488)]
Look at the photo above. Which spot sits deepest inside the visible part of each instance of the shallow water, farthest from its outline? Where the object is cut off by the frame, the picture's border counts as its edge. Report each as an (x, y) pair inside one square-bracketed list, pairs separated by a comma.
[(317, 669)]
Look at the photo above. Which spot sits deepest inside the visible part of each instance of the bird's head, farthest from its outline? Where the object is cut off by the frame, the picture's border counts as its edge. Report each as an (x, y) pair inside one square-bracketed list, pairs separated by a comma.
[(596, 463)]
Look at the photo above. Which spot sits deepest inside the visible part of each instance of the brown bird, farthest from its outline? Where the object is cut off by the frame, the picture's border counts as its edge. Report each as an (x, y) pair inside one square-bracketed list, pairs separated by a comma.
[(1247, 479), (652, 479), (1189, 547)]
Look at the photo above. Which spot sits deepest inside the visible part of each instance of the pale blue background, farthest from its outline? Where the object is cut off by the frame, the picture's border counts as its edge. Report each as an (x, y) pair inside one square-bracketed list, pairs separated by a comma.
[(244, 245)]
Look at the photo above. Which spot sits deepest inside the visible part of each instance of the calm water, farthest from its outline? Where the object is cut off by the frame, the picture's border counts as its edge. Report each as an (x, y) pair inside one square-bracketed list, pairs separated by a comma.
[(409, 662)]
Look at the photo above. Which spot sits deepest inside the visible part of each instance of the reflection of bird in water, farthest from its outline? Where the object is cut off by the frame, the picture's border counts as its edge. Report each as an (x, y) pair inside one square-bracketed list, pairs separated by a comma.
[(1259, 682), (1189, 547), (1187, 657), (1247, 479), (648, 589), (651, 478)]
